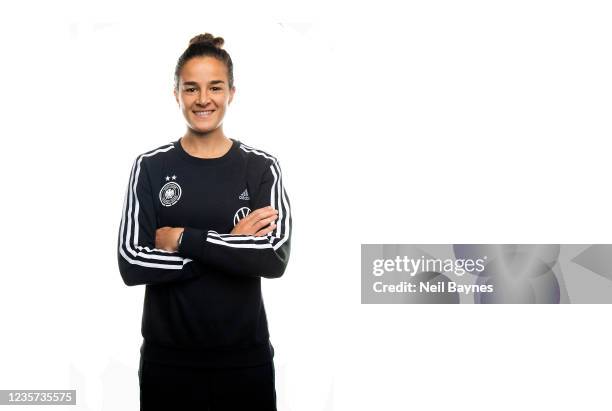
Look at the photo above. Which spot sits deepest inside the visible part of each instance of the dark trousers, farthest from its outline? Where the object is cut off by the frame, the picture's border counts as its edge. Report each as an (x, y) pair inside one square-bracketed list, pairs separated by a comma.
[(176, 388)]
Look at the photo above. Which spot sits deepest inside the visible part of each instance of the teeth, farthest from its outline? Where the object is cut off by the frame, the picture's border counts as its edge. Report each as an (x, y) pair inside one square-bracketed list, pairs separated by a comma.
[(203, 113)]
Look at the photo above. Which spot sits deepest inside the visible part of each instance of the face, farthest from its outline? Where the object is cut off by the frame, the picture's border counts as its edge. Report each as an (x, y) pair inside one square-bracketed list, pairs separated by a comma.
[(203, 93)]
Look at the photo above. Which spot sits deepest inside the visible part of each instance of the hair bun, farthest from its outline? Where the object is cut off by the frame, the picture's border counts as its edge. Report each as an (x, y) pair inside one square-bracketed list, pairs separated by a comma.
[(207, 39)]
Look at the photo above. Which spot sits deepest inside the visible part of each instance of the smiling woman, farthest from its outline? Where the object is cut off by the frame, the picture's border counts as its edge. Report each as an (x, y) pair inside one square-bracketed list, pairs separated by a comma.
[(204, 86), (205, 218)]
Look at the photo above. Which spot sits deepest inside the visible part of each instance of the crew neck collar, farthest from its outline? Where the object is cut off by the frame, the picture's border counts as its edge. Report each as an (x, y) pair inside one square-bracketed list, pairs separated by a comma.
[(208, 161)]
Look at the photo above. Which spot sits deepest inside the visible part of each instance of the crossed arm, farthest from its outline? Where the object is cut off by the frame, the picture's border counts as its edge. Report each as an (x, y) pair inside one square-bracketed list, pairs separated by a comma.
[(258, 246), (258, 223)]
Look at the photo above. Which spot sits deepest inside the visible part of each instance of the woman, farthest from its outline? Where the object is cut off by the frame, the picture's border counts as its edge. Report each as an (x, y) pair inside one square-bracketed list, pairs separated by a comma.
[(204, 218)]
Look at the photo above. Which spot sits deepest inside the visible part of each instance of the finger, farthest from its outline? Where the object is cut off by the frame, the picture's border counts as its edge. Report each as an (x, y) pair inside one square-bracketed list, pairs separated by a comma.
[(265, 222), (263, 212), (273, 215), (265, 231), (247, 225), (257, 219)]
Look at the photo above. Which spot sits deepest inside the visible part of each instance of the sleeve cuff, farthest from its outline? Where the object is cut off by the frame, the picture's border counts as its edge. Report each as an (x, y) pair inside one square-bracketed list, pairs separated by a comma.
[(192, 244)]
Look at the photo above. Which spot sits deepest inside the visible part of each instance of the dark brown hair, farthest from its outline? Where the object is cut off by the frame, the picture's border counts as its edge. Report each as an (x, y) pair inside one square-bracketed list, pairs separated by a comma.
[(205, 45)]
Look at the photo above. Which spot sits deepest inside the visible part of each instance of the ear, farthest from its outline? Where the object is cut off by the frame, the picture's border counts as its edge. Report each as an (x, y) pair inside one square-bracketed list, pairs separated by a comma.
[(175, 96), (231, 97)]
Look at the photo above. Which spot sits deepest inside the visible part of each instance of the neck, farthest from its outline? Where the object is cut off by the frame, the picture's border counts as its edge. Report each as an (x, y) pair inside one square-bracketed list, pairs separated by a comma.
[(206, 145)]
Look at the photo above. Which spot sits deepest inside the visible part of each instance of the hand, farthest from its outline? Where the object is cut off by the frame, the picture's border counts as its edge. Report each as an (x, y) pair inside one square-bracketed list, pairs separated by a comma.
[(166, 238), (259, 222)]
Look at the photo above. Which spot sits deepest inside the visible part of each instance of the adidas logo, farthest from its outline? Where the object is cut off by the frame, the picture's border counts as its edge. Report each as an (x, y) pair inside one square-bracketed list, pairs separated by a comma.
[(244, 195)]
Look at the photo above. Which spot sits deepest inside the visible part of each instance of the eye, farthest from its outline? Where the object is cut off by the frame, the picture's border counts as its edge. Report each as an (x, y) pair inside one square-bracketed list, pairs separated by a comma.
[(216, 88), (190, 89)]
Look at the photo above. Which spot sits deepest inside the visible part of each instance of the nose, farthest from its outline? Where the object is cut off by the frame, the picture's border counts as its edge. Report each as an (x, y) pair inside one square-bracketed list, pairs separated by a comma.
[(203, 98)]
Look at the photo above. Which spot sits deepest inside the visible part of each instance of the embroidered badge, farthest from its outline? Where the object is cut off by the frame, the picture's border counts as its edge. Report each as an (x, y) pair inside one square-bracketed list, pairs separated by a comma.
[(170, 193)]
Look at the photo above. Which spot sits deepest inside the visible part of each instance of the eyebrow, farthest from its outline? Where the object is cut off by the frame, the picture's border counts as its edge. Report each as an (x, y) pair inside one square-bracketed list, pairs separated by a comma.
[(193, 83)]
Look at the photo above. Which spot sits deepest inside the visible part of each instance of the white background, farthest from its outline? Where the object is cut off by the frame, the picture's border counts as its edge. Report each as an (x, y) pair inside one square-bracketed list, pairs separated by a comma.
[(426, 122)]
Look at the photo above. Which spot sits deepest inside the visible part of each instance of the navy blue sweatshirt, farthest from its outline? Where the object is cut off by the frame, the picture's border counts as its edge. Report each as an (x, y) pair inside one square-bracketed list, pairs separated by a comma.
[(203, 304)]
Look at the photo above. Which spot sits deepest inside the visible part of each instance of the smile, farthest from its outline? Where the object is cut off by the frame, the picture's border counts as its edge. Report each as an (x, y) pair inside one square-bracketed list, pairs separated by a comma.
[(206, 113)]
